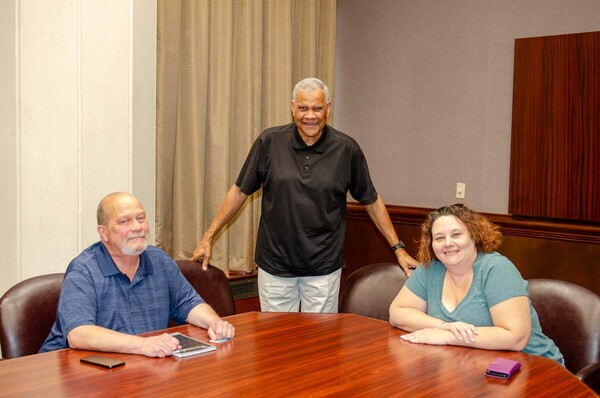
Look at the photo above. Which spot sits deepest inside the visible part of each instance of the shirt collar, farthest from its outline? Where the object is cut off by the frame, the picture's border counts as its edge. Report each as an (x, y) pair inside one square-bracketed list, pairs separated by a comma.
[(109, 268), (319, 146)]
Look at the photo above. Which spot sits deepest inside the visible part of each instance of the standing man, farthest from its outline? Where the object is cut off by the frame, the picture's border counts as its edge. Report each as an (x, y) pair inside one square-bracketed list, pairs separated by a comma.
[(305, 169), (121, 287)]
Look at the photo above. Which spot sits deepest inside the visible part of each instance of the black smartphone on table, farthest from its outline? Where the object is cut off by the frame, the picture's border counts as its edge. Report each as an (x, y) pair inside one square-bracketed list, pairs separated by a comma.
[(105, 362)]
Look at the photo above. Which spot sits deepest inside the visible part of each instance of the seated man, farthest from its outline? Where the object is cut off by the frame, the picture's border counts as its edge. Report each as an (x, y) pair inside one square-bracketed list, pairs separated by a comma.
[(121, 287)]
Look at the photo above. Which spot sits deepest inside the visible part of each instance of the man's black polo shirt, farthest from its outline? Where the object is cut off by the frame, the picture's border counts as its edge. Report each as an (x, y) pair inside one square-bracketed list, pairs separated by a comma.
[(303, 212)]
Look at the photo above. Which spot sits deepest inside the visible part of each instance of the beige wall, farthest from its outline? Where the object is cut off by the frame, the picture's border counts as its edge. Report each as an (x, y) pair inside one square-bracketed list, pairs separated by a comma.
[(77, 118), (425, 87)]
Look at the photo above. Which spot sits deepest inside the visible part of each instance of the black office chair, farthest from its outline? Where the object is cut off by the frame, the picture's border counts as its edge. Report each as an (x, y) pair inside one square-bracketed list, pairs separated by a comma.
[(570, 315), (27, 313), (212, 285), (370, 290)]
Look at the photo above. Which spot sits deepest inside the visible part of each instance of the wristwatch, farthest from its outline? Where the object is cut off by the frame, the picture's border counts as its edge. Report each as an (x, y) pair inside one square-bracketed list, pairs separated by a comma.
[(397, 246)]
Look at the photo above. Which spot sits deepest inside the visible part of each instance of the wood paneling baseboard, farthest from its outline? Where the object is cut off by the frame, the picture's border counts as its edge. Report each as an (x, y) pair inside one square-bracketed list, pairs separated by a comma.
[(562, 250)]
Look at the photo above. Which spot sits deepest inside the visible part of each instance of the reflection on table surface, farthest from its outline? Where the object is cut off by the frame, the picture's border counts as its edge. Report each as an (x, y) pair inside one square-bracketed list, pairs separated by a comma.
[(292, 354)]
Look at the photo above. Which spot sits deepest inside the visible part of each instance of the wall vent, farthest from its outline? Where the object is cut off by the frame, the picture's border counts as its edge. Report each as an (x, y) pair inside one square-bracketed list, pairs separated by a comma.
[(245, 288)]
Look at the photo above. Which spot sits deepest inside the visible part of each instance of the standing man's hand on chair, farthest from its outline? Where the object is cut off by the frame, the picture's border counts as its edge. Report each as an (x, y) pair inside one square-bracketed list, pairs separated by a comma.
[(234, 199), (202, 253)]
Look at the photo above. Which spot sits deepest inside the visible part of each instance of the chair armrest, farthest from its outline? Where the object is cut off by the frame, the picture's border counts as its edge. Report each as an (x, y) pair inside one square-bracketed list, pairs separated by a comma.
[(590, 375)]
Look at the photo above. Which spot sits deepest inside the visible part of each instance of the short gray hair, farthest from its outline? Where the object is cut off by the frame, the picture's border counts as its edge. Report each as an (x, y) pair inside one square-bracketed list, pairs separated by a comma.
[(310, 84)]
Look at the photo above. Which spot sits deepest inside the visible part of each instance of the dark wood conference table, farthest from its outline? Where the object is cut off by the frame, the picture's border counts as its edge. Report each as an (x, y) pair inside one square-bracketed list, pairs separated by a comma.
[(286, 355)]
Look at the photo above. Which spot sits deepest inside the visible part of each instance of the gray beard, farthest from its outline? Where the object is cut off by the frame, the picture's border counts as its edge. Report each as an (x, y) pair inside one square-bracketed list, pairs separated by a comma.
[(128, 251)]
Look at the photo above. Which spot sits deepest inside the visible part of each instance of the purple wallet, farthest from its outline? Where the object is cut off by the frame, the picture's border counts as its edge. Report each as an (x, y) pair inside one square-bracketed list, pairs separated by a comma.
[(503, 368)]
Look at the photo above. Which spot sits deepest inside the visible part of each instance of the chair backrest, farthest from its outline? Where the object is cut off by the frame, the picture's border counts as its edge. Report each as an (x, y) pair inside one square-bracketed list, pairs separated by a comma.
[(27, 313), (212, 285), (370, 290), (570, 315)]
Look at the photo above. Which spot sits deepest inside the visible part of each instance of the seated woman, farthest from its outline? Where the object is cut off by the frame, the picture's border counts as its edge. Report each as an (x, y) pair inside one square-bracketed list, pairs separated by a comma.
[(465, 293)]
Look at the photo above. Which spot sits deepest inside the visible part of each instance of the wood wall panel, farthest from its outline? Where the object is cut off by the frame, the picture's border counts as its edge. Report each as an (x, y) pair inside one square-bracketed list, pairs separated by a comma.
[(555, 147), (567, 251)]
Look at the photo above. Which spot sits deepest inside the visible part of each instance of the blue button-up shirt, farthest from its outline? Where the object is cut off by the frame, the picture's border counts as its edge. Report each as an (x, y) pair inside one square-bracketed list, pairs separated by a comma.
[(95, 292)]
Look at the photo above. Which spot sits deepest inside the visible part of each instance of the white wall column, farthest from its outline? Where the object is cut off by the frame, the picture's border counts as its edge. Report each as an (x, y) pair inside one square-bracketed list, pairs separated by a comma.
[(78, 115)]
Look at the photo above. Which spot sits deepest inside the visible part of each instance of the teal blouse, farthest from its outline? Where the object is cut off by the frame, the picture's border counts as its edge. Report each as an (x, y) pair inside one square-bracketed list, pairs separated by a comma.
[(495, 279)]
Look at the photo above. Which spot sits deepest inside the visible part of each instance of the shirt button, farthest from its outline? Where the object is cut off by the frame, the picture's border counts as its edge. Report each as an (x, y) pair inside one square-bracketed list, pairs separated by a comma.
[(307, 157), (306, 168)]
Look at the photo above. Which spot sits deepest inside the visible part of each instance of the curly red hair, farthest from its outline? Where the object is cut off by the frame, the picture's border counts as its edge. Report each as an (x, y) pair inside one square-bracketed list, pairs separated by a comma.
[(487, 235)]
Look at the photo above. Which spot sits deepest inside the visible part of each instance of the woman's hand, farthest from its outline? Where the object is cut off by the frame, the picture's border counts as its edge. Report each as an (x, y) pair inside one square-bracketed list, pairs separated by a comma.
[(464, 332), (444, 335)]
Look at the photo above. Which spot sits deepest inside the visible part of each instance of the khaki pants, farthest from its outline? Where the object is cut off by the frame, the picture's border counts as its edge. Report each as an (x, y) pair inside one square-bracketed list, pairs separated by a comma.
[(308, 293)]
